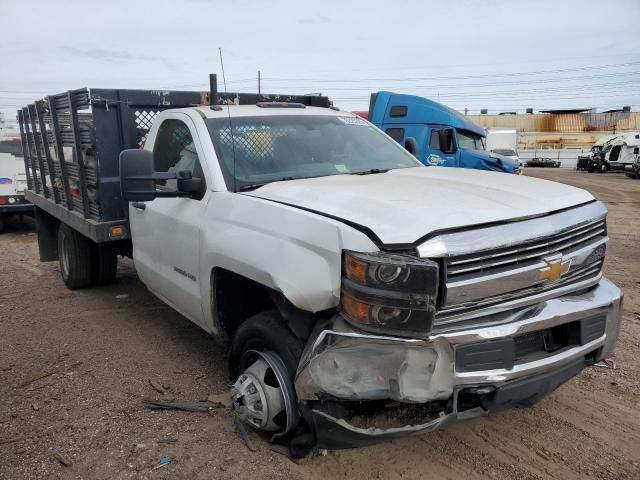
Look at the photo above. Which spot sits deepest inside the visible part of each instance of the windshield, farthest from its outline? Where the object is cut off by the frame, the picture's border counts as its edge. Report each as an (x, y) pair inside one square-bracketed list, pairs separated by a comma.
[(287, 147), (504, 151), (469, 140)]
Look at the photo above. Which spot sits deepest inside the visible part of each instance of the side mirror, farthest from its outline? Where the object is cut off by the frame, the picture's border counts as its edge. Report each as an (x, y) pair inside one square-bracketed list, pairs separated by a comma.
[(446, 140), (411, 146), (136, 175), (636, 150)]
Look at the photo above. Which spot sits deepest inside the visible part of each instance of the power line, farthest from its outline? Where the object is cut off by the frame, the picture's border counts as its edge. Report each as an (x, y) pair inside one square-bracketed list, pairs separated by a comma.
[(490, 84), (253, 80), (484, 63), (458, 77)]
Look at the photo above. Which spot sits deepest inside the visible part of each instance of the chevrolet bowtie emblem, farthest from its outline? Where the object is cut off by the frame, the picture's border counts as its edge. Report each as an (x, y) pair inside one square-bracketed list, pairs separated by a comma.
[(554, 269)]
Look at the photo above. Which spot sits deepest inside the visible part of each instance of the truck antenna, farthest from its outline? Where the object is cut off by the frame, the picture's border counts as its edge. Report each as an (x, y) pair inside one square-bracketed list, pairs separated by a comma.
[(233, 141), (224, 78)]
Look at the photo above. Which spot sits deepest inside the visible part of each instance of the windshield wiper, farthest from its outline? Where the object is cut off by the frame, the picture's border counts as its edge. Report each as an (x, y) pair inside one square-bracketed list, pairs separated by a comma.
[(371, 172), (246, 188), (254, 186)]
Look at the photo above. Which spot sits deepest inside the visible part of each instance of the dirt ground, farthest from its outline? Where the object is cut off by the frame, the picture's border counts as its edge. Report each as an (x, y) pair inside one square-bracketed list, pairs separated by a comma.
[(76, 366)]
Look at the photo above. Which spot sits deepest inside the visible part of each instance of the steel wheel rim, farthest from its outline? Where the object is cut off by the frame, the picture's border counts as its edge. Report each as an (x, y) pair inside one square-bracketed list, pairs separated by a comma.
[(245, 400)]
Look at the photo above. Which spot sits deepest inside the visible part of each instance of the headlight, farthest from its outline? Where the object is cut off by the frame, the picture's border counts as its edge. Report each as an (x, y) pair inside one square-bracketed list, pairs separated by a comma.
[(389, 293)]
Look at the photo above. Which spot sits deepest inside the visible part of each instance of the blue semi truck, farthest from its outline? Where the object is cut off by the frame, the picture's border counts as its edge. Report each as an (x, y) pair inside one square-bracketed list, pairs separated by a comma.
[(434, 133)]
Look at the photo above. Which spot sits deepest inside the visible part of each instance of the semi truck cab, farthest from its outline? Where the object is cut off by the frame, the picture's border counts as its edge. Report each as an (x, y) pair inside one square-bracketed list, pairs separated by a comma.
[(434, 133)]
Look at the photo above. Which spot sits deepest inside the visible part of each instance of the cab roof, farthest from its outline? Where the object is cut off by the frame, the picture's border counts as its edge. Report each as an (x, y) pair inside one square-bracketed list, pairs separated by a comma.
[(419, 110), (224, 111)]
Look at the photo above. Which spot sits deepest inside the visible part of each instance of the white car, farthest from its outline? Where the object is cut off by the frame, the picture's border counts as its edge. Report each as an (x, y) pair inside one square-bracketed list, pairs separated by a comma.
[(349, 279), (511, 155)]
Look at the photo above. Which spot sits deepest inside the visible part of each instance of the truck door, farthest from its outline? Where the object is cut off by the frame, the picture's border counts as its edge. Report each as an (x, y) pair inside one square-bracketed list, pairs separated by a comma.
[(441, 149), (166, 231)]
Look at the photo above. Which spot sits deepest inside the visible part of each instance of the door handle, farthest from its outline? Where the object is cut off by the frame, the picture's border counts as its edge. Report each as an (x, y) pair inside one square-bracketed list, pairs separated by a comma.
[(139, 205)]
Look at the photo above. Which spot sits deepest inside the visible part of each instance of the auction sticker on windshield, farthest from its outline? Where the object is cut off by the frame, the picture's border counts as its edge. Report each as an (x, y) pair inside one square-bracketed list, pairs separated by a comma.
[(353, 121)]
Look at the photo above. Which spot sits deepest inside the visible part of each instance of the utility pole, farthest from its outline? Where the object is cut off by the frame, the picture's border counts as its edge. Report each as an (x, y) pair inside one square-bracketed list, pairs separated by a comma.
[(259, 81)]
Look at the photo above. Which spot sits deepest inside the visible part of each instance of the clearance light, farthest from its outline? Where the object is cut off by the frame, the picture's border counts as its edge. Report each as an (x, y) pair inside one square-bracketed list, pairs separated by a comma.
[(117, 231)]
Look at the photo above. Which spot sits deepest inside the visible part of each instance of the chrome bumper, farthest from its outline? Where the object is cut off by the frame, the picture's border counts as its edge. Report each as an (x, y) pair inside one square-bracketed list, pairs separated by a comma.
[(344, 364)]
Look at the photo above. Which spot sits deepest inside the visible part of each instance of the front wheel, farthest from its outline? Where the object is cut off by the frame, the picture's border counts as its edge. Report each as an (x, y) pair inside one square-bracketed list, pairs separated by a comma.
[(263, 361), (602, 168)]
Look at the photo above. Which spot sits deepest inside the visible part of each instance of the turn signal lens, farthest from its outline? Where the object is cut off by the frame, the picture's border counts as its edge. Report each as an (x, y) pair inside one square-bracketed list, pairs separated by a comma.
[(117, 231), (355, 269), (356, 310)]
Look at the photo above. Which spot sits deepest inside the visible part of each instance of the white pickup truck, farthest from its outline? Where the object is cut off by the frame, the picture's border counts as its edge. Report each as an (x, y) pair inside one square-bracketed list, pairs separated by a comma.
[(364, 296)]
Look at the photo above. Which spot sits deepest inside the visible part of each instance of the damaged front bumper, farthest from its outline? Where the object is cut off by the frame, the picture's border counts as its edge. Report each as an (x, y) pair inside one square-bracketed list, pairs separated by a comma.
[(464, 374)]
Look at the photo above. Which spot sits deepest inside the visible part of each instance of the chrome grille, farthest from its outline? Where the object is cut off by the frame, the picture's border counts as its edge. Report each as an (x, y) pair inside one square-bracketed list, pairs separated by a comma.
[(486, 262), (566, 255)]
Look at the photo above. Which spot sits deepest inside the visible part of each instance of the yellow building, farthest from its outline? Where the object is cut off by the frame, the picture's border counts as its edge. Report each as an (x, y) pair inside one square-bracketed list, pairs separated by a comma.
[(562, 129)]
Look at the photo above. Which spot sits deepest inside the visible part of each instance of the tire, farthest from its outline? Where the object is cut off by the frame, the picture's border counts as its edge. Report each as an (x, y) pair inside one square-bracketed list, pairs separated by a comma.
[(602, 168), (265, 331), (1, 223), (74, 251), (104, 264), (268, 333)]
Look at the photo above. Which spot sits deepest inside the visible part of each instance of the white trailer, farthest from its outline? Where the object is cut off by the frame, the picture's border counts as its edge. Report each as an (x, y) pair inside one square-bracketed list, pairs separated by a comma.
[(13, 183)]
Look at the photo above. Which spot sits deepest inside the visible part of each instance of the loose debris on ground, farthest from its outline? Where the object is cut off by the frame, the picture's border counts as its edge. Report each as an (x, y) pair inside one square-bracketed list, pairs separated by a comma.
[(84, 358)]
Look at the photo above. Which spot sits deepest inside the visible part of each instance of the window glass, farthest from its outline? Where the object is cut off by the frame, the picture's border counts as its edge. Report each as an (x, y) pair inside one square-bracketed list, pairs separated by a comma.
[(469, 140), (175, 151), (398, 111), (396, 133), (272, 148), (434, 141), (615, 153)]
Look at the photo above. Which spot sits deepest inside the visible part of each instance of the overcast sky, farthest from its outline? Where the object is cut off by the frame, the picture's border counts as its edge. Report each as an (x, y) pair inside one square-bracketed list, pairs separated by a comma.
[(495, 54)]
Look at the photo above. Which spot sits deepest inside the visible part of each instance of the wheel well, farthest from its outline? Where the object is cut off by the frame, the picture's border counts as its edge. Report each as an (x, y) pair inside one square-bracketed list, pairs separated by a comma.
[(236, 298)]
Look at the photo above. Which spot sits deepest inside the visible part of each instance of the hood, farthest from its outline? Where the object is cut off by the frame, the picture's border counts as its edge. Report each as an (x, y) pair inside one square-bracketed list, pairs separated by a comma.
[(403, 205), (489, 160)]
